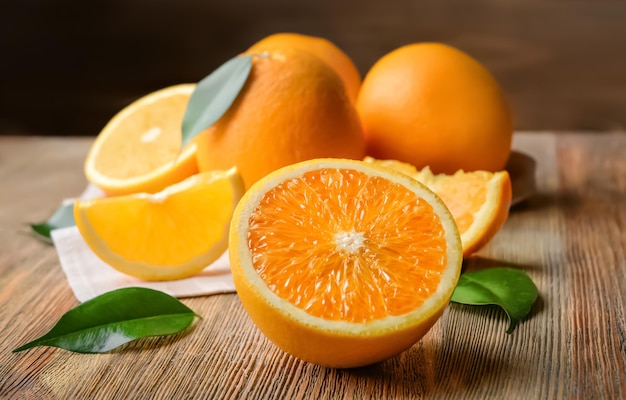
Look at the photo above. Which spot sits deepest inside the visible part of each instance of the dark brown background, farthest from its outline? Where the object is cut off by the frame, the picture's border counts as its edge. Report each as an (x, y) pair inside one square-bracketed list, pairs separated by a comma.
[(69, 65)]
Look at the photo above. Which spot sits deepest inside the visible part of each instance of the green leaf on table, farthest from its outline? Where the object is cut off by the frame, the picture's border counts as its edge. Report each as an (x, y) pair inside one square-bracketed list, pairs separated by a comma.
[(214, 95), (61, 218), (115, 318), (508, 288)]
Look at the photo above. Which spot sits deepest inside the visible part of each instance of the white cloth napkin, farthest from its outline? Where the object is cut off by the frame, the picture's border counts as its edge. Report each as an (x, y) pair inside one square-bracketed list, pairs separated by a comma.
[(88, 276)]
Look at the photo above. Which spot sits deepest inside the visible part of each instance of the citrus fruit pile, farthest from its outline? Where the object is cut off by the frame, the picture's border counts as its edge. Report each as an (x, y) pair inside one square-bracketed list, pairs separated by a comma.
[(293, 107), (346, 206)]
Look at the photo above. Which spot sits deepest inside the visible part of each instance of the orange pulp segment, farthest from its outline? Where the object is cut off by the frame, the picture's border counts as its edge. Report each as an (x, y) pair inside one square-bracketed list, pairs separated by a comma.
[(168, 235)]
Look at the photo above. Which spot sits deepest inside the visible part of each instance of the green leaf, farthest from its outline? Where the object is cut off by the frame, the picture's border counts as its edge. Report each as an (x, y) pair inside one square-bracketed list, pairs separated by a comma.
[(508, 288), (214, 95), (114, 318), (61, 218)]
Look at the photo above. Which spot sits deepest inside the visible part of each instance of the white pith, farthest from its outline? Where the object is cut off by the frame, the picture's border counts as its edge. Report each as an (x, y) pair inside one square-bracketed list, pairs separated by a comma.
[(350, 242), (151, 134)]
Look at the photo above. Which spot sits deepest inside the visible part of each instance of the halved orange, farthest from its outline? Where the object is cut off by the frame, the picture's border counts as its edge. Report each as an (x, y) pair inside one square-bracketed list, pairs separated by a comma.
[(343, 263), (139, 149), (478, 200), (171, 234)]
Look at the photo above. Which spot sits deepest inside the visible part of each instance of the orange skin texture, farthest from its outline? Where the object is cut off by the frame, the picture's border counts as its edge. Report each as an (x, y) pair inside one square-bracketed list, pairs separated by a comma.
[(345, 351), (292, 108), (323, 48), (429, 104)]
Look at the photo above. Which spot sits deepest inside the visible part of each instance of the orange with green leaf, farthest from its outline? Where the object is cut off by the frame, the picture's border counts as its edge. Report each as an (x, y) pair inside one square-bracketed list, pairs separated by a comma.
[(292, 108)]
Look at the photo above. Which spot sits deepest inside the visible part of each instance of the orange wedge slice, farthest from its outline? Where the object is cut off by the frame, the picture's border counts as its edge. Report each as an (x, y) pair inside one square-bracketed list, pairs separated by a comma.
[(171, 234), (478, 200), (139, 149), (343, 263)]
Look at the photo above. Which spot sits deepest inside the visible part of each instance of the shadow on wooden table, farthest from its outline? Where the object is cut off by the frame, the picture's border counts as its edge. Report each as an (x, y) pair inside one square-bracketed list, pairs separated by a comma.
[(562, 199), (452, 360), (444, 363), (477, 263)]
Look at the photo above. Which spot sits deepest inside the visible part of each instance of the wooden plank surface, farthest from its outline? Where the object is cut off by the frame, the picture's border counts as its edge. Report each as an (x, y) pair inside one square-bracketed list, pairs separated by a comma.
[(570, 238)]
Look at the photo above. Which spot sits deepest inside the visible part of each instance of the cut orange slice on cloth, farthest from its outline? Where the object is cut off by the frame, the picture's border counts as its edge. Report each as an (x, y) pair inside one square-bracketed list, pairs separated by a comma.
[(139, 149), (171, 234), (343, 263), (478, 200)]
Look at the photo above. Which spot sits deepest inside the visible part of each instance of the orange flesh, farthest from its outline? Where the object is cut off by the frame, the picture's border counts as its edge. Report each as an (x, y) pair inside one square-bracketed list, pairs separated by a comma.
[(151, 138), (463, 198), (312, 238), (175, 228)]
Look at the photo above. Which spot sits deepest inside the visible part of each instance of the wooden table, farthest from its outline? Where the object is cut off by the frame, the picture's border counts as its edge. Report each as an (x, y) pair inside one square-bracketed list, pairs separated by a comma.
[(570, 238)]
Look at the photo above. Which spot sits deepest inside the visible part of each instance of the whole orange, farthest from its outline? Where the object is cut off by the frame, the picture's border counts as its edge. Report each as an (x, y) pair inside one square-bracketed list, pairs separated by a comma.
[(323, 48), (429, 104), (292, 108)]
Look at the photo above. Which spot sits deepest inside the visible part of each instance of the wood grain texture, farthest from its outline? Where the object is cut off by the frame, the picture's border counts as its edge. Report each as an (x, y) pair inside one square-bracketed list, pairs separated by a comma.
[(69, 68), (570, 238)]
